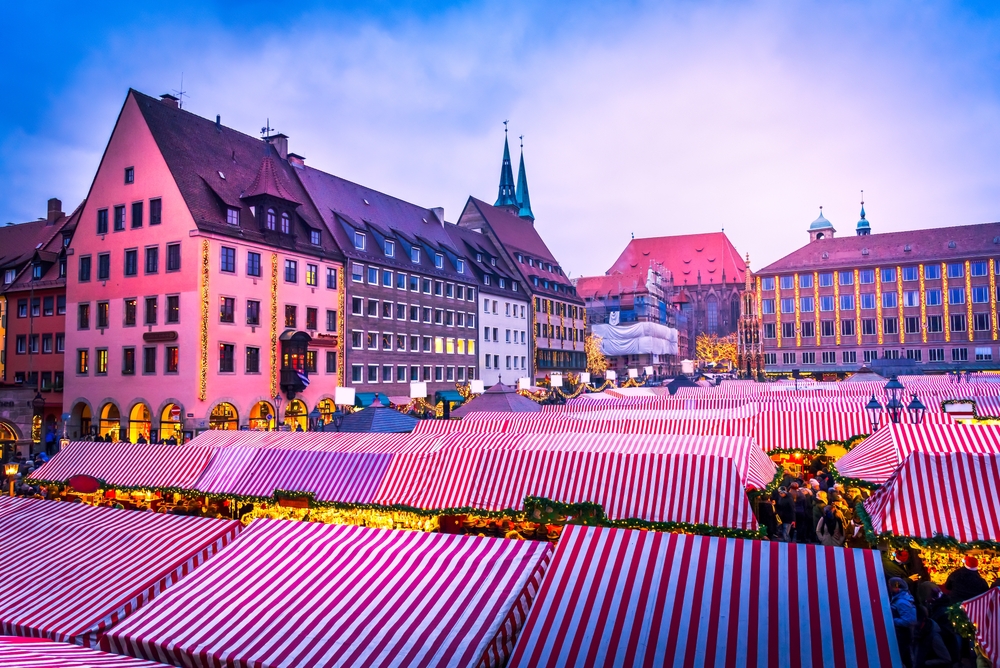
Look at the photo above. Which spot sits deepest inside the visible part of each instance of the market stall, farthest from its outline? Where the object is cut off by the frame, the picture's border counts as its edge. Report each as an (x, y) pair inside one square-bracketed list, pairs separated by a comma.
[(943, 505), (635, 598), (875, 458), (375, 597), (17, 652), (71, 571), (984, 612)]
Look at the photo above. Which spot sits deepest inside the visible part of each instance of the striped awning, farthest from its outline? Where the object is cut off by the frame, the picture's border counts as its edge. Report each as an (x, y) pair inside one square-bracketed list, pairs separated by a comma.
[(875, 458), (984, 612), (71, 571), (127, 464), (951, 495), (18, 652), (616, 597), (344, 596)]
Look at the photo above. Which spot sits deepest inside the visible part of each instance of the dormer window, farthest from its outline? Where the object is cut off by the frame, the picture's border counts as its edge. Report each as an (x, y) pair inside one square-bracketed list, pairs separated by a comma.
[(233, 216), (460, 266), (531, 262), (286, 224), (62, 268), (513, 286), (486, 279), (503, 283), (359, 241), (439, 260), (36, 271), (479, 257), (415, 255), (390, 248), (271, 220), (520, 258), (493, 261), (314, 237)]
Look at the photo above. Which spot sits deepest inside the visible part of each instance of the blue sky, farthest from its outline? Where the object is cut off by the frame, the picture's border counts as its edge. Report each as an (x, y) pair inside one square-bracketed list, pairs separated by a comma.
[(644, 118)]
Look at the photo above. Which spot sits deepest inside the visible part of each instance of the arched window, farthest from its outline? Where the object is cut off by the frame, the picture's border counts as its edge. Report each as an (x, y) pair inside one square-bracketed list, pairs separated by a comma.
[(262, 416), (270, 219), (110, 421), (712, 313), (285, 223), (171, 425), (139, 423), (224, 417)]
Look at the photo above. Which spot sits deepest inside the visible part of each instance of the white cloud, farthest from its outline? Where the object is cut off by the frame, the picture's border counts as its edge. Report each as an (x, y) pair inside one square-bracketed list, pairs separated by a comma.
[(646, 120)]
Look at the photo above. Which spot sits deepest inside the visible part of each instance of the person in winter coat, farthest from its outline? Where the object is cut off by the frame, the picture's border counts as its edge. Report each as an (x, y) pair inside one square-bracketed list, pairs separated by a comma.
[(904, 617), (819, 505), (965, 582), (831, 528), (929, 646), (786, 513), (766, 517)]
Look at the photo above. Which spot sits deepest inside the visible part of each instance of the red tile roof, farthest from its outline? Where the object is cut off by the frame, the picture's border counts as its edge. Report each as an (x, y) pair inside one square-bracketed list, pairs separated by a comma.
[(601, 287), (970, 241), (18, 242), (710, 255), (50, 252)]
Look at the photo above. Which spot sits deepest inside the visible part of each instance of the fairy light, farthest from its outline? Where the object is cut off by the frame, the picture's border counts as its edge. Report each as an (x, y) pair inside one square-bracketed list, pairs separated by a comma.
[(798, 315), (899, 304), (879, 323), (777, 309), (968, 301), (923, 304), (816, 324), (206, 272), (945, 301), (274, 325), (993, 299), (857, 307), (342, 324)]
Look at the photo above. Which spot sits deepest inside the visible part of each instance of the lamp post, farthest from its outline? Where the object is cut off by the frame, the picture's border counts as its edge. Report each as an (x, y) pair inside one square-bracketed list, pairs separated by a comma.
[(894, 405), (874, 410), (277, 412), (916, 409), (10, 470), (314, 420)]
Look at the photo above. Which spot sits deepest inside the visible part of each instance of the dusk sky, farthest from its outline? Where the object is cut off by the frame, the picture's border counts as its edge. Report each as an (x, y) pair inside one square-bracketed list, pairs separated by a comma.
[(652, 119)]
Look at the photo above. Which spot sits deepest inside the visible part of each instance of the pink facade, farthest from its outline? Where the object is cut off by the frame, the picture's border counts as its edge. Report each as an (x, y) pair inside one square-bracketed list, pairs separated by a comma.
[(130, 369)]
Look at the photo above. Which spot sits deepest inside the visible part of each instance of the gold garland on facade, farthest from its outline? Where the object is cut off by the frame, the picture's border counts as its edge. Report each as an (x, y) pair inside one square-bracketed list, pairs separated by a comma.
[(777, 309), (879, 323), (857, 308), (968, 301), (899, 304), (945, 302), (798, 315), (206, 272), (818, 330), (342, 325), (836, 301), (993, 299), (274, 324), (760, 298), (923, 304)]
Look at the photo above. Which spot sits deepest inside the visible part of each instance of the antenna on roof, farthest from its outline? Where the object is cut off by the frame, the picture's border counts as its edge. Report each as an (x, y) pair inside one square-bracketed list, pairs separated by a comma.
[(180, 93), (505, 126), (862, 198), (522, 141), (267, 129)]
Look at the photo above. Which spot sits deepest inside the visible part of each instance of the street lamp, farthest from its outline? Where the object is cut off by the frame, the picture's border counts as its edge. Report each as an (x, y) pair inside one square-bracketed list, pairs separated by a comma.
[(277, 412), (894, 391), (916, 409), (874, 410), (314, 420), (10, 470)]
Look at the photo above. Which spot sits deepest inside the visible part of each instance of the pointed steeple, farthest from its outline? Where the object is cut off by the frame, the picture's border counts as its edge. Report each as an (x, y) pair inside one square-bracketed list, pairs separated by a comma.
[(506, 196), (864, 227), (523, 200)]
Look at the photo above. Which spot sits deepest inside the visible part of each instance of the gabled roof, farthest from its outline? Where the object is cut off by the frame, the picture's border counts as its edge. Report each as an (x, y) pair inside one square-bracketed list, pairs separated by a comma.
[(215, 167), (499, 398), (18, 242), (468, 244), (912, 246), (346, 206), (602, 287), (709, 255), (48, 250)]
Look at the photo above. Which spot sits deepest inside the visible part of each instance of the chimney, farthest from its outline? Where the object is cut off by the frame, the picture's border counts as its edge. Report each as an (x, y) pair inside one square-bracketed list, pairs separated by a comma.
[(438, 212), (218, 123), (55, 210), (169, 100), (280, 144)]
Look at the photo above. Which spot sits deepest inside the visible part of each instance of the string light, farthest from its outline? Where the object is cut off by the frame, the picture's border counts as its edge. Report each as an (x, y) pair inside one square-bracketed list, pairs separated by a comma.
[(945, 301), (777, 309), (899, 304), (879, 326), (968, 301), (274, 326), (206, 272), (798, 315), (993, 299), (923, 305)]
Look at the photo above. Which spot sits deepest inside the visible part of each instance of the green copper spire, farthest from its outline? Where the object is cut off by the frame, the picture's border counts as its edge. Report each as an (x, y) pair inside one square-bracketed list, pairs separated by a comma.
[(523, 201), (507, 196)]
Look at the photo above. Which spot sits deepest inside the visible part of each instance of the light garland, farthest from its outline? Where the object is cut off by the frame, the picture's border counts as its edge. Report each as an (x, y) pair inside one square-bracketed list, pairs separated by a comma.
[(879, 323), (759, 299), (945, 301), (274, 325), (993, 299), (798, 315), (818, 331), (857, 307), (206, 272), (968, 301), (923, 304), (342, 324), (899, 304)]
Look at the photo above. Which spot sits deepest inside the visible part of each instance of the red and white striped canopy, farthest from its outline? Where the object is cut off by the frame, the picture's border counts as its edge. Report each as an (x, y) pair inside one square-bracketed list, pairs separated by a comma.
[(984, 612), (318, 441), (951, 495), (875, 458), (686, 488), (71, 571), (288, 594), (127, 464), (616, 597), (18, 652)]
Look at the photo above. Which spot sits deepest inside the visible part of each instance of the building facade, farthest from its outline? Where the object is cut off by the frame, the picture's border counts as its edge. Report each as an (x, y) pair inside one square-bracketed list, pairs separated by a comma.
[(557, 320), (915, 301), (203, 289), (707, 274)]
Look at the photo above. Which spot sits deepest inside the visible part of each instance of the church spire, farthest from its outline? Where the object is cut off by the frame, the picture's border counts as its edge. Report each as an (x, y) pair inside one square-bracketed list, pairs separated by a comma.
[(506, 195), (523, 201)]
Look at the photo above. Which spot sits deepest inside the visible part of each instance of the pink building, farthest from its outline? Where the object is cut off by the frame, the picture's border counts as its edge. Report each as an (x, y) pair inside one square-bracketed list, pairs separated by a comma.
[(202, 283)]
